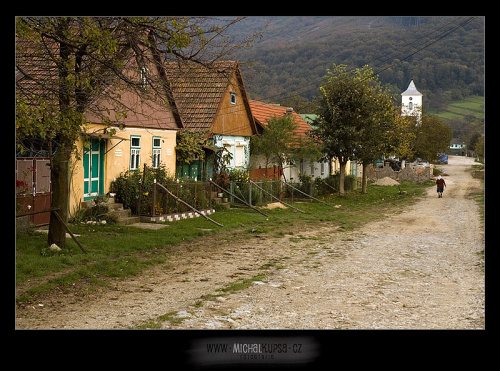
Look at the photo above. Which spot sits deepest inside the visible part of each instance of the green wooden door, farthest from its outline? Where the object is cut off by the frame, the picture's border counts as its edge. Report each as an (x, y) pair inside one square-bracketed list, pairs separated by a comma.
[(93, 169)]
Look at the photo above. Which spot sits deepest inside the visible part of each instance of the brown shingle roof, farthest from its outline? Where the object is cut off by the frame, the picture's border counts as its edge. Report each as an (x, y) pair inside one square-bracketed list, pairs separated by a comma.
[(198, 90)]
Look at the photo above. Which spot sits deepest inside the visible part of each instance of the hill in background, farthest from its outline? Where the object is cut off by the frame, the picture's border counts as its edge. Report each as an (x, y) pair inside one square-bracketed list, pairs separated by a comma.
[(288, 63)]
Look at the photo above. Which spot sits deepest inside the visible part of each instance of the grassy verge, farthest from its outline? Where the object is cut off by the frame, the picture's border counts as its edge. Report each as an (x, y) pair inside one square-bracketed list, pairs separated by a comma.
[(123, 251)]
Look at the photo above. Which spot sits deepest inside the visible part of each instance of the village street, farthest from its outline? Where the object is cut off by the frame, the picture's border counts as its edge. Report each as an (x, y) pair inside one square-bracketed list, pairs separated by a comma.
[(415, 269)]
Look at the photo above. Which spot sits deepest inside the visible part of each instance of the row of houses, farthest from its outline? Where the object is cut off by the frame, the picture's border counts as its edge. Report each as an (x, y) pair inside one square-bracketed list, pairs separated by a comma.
[(210, 100)]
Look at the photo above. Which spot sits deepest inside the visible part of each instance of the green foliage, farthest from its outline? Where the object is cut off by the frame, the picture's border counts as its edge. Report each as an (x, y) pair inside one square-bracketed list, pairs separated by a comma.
[(278, 143), (95, 214), (222, 179), (355, 115), (112, 249), (479, 148), (127, 185), (432, 136), (296, 51), (239, 175), (132, 186), (189, 146)]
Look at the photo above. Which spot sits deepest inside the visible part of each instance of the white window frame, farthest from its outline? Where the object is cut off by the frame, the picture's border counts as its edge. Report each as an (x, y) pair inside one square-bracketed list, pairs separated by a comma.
[(156, 153), (143, 72), (135, 153), (239, 156)]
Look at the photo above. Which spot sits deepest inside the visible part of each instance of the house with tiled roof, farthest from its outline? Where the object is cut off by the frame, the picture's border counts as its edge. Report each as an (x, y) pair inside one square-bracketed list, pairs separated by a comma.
[(352, 167), (211, 98), (262, 112), (125, 129)]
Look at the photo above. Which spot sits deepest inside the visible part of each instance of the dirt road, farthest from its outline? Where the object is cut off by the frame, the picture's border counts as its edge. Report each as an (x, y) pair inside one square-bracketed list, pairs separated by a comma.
[(418, 269)]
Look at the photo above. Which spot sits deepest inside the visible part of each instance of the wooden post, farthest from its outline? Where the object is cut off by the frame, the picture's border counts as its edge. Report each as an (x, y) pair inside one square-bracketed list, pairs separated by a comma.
[(195, 191), (153, 204), (54, 211), (250, 194), (139, 198), (210, 194), (67, 229)]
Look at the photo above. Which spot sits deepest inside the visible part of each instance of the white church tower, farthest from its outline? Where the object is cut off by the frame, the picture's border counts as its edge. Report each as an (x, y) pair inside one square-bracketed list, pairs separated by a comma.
[(412, 102)]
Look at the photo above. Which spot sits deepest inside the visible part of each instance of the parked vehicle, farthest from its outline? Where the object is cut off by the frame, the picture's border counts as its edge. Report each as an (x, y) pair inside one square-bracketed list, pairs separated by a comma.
[(442, 158)]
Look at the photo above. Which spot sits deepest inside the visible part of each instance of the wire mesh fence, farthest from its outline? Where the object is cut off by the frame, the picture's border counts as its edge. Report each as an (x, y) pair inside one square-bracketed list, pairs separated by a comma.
[(202, 195)]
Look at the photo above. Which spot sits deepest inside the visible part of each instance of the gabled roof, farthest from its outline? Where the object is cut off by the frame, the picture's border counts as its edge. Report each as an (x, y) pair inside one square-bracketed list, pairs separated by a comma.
[(198, 90), (263, 111), (37, 79), (412, 90)]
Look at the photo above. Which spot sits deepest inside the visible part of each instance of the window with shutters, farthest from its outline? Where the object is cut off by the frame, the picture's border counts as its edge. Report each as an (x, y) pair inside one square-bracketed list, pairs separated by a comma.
[(239, 156)]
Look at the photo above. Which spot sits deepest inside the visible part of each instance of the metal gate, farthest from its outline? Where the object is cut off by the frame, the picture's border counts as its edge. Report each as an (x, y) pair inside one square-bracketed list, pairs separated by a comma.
[(33, 188)]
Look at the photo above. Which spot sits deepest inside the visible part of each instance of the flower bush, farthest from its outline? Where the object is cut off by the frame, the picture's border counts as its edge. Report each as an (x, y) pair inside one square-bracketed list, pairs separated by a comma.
[(239, 176), (132, 186), (222, 179)]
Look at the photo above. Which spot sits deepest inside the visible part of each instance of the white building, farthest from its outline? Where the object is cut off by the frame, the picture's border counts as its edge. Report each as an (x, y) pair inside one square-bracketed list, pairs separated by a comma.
[(411, 102)]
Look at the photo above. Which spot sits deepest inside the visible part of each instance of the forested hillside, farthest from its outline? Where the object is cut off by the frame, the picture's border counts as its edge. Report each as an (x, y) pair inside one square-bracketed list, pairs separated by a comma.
[(443, 55)]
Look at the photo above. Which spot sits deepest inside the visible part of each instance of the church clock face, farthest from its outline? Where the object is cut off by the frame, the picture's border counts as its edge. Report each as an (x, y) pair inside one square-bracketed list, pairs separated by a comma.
[(410, 98)]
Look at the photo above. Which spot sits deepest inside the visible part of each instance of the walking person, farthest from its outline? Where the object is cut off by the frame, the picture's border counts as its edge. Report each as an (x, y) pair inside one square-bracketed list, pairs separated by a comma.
[(440, 183)]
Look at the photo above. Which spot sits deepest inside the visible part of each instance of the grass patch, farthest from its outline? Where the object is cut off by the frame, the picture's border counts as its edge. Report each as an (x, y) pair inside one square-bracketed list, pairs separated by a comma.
[(116, 251), (241, 284), (171, 317), (473, 105)]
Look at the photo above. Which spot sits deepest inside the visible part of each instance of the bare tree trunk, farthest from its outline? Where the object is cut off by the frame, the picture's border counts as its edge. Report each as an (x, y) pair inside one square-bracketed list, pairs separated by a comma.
[(60, 161), (60, 193), (342, 176), (364, 178)]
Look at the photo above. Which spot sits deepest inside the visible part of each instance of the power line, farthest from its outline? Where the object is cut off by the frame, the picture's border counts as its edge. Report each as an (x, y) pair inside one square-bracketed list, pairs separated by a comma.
[(400, 52)]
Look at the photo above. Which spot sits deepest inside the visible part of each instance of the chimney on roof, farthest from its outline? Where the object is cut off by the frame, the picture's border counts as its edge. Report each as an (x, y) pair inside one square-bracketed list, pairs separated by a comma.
[(289, 111)]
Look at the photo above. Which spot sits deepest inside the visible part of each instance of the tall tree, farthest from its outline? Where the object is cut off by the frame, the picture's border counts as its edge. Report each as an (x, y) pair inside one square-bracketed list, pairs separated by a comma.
[(432, 136), (70, 67), (354, 117), (277, 144), (376, 126)]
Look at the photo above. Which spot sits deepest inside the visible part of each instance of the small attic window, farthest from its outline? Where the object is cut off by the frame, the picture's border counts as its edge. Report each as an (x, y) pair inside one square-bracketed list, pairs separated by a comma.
[(144, 77), (233, 98)]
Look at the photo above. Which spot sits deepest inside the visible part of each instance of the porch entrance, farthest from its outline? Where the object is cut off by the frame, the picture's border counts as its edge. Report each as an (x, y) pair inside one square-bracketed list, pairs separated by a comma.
[(93, 169)]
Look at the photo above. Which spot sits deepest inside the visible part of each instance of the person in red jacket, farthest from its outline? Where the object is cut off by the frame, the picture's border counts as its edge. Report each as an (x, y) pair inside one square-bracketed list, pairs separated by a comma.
[(440, 183)]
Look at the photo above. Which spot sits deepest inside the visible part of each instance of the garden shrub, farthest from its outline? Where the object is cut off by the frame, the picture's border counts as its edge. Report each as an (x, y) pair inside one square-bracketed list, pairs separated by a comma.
[(127, 190)]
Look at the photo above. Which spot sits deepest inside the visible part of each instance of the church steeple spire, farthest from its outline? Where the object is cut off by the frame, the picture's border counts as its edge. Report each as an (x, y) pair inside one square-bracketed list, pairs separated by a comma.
[(412, 90), (411, 102)]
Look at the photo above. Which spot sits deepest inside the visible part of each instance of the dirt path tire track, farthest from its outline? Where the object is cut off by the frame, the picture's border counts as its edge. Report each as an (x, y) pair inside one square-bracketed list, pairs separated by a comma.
[(415, 269)]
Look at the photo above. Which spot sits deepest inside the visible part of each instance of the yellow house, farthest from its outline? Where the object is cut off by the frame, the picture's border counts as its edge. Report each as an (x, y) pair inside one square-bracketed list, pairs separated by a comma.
[(147, 135)]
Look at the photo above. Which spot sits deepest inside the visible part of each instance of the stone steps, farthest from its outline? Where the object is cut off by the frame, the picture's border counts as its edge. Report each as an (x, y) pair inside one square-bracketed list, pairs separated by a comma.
[(221, 201), (114, 208), (123, 215)]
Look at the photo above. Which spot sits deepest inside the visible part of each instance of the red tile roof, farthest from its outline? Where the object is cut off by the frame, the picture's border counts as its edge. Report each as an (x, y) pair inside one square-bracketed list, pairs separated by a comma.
[(263, 111)]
